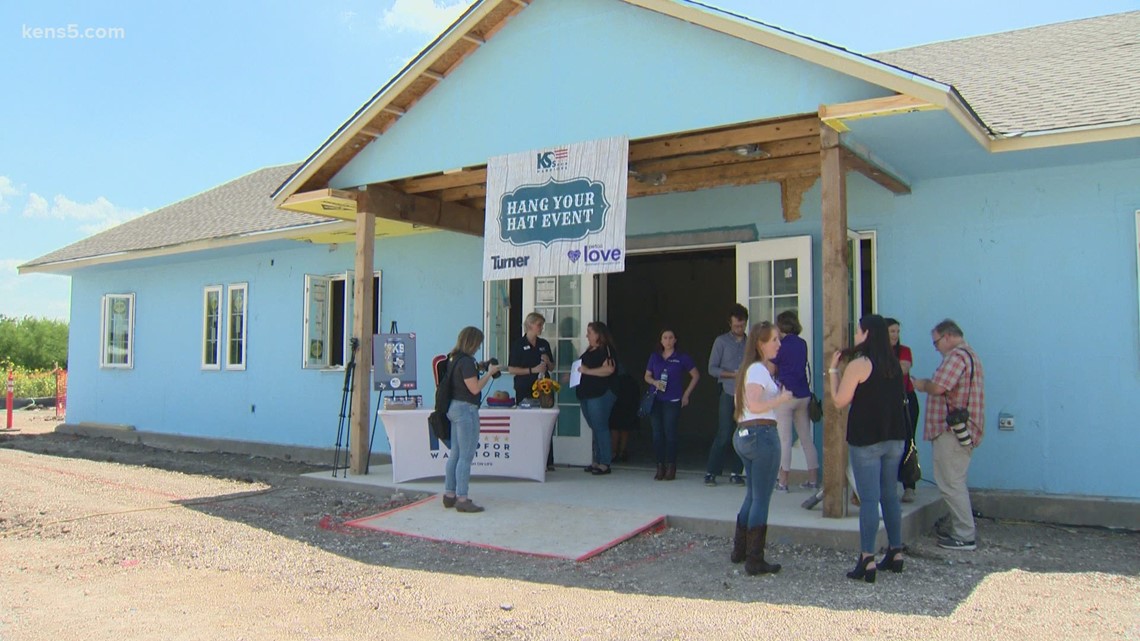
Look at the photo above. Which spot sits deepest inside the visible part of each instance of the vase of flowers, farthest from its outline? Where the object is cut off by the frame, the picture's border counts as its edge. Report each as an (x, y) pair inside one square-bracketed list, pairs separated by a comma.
[(543, 389)]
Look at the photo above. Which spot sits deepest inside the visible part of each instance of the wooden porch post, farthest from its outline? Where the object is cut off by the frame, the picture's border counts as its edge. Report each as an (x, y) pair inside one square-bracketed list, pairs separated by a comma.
[(362, 330), (833, 188)]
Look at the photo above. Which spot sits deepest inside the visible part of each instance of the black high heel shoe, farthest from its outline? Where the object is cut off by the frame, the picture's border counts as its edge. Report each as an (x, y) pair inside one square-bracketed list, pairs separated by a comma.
[(861, 571), (892, 560)]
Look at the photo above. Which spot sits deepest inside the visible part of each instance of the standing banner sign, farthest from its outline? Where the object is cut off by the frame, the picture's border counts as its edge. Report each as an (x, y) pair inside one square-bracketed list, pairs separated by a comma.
[(554, 212)]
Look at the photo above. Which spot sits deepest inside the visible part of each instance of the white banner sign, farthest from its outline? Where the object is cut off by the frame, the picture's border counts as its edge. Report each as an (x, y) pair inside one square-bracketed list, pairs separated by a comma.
[(559, 211), (512, 443)]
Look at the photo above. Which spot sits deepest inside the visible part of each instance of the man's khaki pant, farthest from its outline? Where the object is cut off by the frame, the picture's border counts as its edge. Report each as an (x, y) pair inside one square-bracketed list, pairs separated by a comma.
[(951, 463)]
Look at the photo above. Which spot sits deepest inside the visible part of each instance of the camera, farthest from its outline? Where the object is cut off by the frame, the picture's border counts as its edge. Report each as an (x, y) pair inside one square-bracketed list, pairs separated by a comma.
[(957, 416), (958, 421), (483, 365)]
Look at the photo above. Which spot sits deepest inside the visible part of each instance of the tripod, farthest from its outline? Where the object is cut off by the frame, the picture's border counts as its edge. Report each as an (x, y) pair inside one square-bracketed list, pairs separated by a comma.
[(345, 410)]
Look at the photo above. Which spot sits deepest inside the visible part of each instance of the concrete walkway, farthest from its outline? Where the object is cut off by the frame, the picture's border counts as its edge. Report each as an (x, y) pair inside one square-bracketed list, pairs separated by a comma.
[(686, 502)]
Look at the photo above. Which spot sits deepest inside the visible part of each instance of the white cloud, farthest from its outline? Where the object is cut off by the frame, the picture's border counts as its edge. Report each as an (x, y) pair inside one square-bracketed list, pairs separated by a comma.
[(423, 16), (7, 189), (94, 216)]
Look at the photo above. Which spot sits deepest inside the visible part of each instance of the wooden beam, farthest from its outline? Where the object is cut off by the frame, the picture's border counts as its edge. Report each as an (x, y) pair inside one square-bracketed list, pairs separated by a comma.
[(434, 75), (435, 182), (792, 192), (745, 173), (777, 149), (873, 108), (723, 138), (474, 39), (392, 204), (359, 440), (835, 312), (869, 168)]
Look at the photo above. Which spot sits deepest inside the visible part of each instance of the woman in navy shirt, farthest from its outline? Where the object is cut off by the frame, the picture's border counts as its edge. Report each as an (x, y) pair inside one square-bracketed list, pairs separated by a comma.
[(666, 371)]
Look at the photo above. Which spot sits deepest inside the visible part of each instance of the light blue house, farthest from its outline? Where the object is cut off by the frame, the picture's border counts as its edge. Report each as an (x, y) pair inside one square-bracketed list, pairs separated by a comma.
[(994, 180)]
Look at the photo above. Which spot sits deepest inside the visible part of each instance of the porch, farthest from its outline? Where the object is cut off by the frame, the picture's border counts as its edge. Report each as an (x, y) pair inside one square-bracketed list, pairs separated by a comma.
[(686, 503)]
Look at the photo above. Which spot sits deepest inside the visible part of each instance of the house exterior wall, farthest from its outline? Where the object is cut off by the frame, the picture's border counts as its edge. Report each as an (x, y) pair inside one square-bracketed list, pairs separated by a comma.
[(1038, 267), (593, 69)]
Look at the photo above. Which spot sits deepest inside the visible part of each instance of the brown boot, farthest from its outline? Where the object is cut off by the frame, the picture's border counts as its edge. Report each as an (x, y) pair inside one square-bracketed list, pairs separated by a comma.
[(739, 543), (660, 472), (670, 471), (754, 562)]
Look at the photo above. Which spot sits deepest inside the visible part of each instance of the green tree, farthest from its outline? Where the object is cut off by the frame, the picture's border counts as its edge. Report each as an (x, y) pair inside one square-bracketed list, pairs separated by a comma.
[(33, 343)]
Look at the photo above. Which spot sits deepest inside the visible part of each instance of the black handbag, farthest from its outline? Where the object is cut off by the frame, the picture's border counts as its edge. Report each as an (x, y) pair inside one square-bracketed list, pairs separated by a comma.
[(815, 407), (910, 473), (646, 406)]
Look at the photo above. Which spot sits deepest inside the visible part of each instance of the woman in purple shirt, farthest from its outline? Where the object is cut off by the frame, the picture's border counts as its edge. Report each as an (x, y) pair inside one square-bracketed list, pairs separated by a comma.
[(665, 371), (791, 372)]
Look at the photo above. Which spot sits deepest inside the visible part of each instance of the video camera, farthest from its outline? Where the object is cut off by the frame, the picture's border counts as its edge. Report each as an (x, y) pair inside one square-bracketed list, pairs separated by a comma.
[(483, 365)]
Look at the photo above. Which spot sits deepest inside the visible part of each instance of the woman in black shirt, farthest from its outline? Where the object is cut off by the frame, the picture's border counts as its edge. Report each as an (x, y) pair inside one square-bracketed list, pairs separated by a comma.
[(595, 392), (872, 384), (466, 386)]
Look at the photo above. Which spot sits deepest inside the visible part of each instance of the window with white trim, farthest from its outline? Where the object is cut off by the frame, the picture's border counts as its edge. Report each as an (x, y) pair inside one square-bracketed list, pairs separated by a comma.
[(237, 302), (328, 318), (117, 331), (212, 327)]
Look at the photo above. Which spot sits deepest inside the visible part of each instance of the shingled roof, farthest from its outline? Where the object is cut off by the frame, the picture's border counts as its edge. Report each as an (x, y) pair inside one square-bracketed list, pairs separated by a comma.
[(239, 207), (1081, 73)]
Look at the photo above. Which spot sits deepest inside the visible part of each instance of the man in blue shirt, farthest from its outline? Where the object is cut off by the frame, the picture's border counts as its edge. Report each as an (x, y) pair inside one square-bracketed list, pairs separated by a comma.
[(727, 354)]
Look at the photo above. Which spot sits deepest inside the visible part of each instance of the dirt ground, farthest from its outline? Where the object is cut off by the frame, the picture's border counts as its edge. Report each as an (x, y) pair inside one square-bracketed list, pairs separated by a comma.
[(105, 540)]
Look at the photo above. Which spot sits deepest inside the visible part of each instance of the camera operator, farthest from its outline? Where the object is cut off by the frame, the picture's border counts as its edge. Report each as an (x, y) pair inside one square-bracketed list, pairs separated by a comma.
[(955, 393)]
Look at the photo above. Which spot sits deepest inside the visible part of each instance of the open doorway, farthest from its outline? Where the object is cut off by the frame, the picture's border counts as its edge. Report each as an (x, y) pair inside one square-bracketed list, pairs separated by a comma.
[(690, 292)]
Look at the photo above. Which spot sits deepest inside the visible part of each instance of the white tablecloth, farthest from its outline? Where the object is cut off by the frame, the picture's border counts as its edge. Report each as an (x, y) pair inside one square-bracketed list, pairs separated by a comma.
[(512, 442)]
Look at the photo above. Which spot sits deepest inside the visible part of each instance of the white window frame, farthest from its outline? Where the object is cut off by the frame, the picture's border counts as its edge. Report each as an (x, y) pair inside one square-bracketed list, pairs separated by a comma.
[(321, 317), (216, 290), (244, 338), (108, 303)]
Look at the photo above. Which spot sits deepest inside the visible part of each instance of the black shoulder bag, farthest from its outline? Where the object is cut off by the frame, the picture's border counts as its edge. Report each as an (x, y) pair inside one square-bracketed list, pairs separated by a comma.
[(815, 407), (440, 424)]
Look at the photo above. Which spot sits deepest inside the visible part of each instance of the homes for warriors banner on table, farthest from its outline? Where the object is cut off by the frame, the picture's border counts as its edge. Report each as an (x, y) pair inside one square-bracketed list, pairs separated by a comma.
[(557, 211)]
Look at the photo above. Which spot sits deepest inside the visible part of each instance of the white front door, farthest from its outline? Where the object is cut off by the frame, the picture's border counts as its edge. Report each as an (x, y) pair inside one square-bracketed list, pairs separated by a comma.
[(773, 276), (568, 303)]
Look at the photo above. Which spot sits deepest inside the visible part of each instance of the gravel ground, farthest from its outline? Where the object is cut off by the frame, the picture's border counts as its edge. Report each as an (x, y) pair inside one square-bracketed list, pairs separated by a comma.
[(106, 540)]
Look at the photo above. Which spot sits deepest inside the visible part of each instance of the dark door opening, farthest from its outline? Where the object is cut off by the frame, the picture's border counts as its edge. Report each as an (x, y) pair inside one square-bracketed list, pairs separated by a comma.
[(690, 293)]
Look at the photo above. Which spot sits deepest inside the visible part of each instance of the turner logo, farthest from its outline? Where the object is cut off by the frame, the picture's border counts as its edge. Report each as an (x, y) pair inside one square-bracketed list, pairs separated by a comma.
[(551, 160), (595, 254)]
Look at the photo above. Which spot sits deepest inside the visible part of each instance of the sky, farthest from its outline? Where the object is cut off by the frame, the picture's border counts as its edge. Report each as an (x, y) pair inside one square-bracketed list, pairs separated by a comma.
[(163, 100)]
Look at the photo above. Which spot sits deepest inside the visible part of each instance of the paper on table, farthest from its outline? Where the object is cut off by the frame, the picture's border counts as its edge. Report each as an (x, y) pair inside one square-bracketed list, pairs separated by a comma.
[(575, 375)]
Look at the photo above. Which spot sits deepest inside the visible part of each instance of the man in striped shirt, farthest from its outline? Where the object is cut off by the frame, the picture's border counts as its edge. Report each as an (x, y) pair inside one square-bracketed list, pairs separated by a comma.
[(958, 383)]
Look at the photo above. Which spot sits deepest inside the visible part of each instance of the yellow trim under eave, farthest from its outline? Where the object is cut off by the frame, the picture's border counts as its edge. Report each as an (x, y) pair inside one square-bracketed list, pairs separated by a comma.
[(334, 203), (337, 203), (837, 115)]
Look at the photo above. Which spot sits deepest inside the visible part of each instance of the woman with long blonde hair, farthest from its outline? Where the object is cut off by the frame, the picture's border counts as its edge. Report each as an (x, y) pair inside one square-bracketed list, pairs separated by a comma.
[(758, 445)]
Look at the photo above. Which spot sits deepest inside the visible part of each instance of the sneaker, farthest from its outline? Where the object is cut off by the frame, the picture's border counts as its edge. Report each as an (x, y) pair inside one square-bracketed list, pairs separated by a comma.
[(780, 487), (809, 485), (951, 543), (812, 500), (736, 479), (908, 495), (710, 480)]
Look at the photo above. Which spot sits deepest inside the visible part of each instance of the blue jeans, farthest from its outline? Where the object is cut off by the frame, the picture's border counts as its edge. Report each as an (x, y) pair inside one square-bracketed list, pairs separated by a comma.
[(876, 471), (663, 418), (464, 439), (759, 448), (720, 447), (597, 412)]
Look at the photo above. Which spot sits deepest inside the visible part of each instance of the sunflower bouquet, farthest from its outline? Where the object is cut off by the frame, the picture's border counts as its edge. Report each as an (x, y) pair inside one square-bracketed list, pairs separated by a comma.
[(544, 386)]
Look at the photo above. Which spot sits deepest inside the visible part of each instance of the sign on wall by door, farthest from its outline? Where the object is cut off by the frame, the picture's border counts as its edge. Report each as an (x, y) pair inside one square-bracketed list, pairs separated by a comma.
[(558, 211)]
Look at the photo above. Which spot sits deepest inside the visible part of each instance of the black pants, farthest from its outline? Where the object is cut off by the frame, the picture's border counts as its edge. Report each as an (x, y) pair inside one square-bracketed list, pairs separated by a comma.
[(912, 412)]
